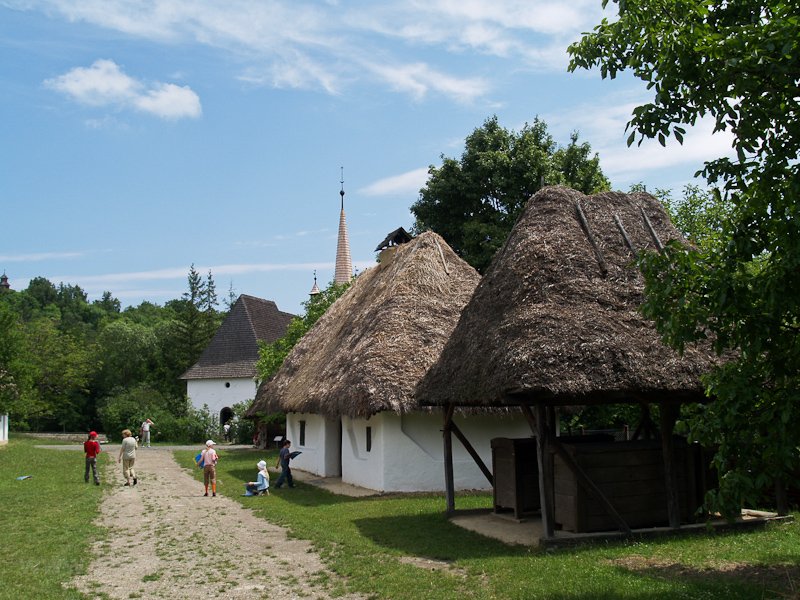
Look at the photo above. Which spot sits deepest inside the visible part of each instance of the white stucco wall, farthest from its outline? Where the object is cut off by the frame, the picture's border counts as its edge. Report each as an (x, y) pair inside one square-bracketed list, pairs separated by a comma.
[(3, 429), (407, 451), (321, 450), (216, 395)]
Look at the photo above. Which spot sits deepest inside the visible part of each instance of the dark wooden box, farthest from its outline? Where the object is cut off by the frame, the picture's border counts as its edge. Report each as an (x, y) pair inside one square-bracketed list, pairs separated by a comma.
[(631, 475), (516, 475)]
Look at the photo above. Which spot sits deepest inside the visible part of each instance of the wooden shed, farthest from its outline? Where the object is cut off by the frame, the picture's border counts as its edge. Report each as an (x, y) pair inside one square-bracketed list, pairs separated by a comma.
[(555, 322)]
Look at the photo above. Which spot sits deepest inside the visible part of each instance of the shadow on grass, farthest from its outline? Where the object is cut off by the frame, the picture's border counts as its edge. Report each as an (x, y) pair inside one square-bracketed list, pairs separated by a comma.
[(775, 580), (431, 535)]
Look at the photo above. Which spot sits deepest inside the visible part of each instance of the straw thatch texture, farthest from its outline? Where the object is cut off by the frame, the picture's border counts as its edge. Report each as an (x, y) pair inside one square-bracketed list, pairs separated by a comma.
[(547, 324), (371, 347)]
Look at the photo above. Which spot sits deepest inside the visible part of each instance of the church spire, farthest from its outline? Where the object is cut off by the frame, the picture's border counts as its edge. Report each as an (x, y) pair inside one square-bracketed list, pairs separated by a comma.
[(315, 289), (344, 265)]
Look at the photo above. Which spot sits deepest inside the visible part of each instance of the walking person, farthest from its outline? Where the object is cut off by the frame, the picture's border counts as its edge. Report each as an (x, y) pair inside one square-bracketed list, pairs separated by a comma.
[(209, 458), (284, 456), (127, 456), (144, 431), (91, 448)]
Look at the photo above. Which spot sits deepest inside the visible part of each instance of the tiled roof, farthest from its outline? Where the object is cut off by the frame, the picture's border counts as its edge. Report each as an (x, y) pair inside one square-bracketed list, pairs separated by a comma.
[(233, 351)]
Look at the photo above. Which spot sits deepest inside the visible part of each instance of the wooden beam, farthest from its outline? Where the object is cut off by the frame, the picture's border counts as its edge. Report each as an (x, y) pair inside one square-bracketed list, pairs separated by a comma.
[(669, 414), (449, 486), (475, 456)]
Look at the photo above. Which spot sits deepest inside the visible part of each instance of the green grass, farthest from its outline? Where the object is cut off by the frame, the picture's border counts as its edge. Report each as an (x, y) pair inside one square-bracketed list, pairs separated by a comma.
[(386, 547), (46, 522), (373, 542)]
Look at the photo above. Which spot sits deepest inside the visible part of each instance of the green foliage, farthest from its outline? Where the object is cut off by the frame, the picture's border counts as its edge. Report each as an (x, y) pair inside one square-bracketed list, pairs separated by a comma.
[(474, 202), (174, 420), (61, 357), (271, 356), (737, 63)]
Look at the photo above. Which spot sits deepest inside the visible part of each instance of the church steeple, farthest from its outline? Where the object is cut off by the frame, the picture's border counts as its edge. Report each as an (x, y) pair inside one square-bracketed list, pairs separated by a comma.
[(344, 264), (315, 289)]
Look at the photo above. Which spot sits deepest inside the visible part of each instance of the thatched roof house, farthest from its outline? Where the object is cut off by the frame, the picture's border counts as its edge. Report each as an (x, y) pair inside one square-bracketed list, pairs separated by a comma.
[(368, 351), (347, 386), (556, 317)]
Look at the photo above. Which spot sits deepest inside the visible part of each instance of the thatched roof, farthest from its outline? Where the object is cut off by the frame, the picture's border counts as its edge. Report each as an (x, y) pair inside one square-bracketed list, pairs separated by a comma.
[(371, 347), (233, 351), (556, 320)]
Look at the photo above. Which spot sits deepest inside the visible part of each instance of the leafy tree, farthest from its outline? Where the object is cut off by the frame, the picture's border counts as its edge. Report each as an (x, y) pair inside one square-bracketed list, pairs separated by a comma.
[(739, 64), (271, 356), (63, 366), (474, 202), (125, 354)]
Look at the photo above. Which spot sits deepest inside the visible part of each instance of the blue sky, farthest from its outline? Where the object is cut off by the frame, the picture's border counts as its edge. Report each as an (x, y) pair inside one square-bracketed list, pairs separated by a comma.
[(139, 138)]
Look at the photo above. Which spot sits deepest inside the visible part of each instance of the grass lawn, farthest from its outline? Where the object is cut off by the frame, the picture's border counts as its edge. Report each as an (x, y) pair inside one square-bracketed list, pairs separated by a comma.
[(403, 547), (387, 547), (46, 522)]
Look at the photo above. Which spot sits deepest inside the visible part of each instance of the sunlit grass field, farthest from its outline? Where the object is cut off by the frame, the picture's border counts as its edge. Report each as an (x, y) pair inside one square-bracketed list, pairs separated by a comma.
[(403, 547), (388, 546)]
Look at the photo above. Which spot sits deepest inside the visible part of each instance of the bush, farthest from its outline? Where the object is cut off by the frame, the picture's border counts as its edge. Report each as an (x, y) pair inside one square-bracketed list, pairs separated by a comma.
[(174, 419)]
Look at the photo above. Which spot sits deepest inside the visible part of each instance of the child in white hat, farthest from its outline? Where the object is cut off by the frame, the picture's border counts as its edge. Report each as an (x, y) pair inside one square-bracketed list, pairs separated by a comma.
[(261, 485), (209, 458)]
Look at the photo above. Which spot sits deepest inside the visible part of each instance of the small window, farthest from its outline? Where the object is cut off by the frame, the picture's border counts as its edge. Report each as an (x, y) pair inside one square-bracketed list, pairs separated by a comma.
[(369, 439), (302, 433), (227, 384)]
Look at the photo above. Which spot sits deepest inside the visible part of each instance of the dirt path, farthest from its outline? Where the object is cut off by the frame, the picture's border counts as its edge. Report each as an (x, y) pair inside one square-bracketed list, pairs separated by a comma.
[(168, 541)]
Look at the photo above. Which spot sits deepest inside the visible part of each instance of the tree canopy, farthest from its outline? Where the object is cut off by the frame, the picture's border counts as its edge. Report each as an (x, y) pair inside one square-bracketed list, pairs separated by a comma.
[(737, 63), (474, 202)]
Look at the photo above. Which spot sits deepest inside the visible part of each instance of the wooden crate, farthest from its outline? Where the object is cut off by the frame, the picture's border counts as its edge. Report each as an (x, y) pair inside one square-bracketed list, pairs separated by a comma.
[(516, 475), (631, 475)]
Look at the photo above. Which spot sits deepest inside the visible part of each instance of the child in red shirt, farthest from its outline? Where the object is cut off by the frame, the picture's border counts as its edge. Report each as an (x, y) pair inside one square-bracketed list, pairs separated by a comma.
[(91, 449)]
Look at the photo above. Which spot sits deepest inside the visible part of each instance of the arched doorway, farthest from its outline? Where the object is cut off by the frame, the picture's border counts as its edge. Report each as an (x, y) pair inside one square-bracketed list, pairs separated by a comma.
[(225, 418)]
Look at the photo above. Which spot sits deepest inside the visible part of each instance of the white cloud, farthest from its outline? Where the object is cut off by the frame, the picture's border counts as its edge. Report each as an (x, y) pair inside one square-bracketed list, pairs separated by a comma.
[(104, 84), (322, 46), (419, 79), (40, 256), (405, 183), (602, 124)]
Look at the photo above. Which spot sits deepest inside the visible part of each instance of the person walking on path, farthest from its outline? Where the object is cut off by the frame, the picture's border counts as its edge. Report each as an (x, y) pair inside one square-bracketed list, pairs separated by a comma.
[(144, 431), (91, 449), (209, 458), (261, 485), (127, 456), (284, 456)]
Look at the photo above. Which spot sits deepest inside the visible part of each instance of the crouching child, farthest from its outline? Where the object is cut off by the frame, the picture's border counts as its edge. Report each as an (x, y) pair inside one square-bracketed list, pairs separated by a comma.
[(261, 485)]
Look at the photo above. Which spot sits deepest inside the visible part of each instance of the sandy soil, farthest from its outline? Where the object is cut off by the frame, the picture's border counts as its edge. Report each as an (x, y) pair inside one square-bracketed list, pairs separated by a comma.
[(166, 540)]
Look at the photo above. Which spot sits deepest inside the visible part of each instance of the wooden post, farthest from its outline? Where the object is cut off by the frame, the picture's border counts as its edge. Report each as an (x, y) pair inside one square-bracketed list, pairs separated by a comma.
[(545, 468), (669, 414), (781, 497), (449, 485)]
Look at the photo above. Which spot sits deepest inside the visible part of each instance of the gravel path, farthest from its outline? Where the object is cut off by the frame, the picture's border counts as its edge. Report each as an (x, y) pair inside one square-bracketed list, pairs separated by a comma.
[(166, 540)]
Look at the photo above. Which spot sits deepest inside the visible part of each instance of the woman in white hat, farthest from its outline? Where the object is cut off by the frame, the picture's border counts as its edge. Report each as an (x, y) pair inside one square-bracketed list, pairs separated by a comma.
[(209, 458), (261, 485)]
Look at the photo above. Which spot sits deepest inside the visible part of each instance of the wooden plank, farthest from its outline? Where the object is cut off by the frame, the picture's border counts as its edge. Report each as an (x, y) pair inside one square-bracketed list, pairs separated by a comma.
[(589, 485)]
